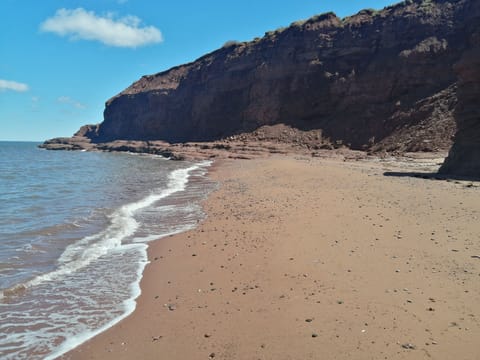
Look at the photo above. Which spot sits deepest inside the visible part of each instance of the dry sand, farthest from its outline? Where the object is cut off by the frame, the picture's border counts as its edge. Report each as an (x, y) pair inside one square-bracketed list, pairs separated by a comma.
[(305, 258)]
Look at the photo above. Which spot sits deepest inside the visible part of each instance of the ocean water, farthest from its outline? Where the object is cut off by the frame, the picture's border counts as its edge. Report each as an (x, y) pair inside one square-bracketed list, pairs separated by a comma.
[(74, 228)]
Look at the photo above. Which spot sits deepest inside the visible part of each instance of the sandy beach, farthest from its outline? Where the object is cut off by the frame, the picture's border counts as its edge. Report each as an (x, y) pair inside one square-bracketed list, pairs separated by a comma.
[(312, 258)]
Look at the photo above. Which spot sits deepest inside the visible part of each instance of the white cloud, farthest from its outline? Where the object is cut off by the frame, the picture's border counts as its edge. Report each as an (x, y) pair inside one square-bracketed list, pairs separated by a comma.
[(86, 25), (13, 85), (69, 101)]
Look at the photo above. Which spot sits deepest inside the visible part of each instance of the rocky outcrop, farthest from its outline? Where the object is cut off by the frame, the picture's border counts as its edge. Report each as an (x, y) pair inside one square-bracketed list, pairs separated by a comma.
[(275, 139), (378, 80), (464, 156)]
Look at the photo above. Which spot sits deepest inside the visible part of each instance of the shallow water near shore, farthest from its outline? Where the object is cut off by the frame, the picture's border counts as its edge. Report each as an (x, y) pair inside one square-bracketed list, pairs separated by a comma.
[(74, 228)]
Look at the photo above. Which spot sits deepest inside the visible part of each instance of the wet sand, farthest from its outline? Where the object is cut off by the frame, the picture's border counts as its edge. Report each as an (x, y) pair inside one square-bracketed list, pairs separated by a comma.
[(304, 258)]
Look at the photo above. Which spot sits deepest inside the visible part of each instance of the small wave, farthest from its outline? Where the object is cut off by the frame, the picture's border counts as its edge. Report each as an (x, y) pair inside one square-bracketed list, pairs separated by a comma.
[(146, 239), (128, 305)]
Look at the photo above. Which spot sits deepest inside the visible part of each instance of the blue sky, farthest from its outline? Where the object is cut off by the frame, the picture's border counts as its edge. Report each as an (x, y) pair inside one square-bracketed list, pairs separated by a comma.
[(60, 60)]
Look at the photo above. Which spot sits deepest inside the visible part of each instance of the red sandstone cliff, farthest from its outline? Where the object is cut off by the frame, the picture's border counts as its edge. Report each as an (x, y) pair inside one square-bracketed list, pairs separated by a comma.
[(362, 80), (378, 80)]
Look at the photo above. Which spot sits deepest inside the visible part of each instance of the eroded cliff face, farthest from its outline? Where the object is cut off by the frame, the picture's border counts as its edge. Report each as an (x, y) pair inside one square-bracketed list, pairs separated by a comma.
[(464, 156), (363, 80), (378, 81)]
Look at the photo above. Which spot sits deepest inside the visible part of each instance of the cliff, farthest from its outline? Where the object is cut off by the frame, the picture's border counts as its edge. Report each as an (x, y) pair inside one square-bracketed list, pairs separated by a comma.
[(464, 156), (378, 80)]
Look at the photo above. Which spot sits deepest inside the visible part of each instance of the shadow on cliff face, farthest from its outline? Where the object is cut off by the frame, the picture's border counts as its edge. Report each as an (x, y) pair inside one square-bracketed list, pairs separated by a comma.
[(464, 156)]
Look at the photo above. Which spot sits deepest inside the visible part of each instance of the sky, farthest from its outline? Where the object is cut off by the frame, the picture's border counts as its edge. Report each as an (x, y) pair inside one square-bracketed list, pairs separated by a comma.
[(61, 60)]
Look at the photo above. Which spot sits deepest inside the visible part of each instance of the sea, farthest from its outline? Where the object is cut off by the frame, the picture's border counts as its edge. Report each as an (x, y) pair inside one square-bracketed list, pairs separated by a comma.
[(74, 232)]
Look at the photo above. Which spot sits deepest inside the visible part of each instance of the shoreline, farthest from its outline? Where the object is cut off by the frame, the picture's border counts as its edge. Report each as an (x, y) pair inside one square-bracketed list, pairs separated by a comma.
[(298, 258), (181, 187)]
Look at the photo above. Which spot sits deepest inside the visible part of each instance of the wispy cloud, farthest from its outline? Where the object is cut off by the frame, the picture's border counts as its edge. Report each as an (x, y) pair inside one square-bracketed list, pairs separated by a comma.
[(13, 85), (69, 101), (81, 24)]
